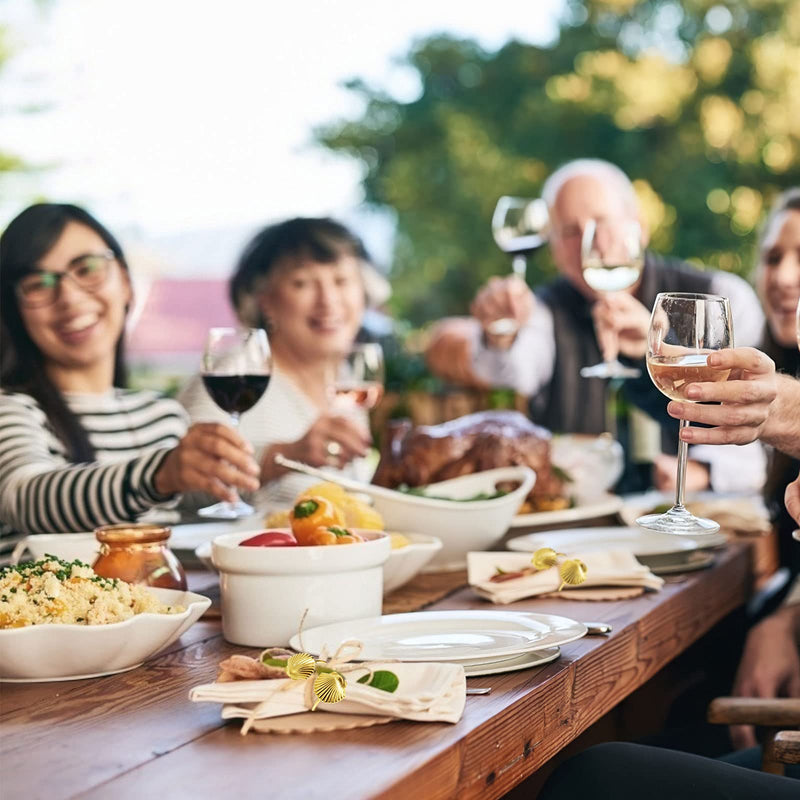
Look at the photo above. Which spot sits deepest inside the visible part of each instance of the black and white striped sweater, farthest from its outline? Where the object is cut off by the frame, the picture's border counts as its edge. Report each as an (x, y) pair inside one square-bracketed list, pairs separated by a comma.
[(41, 492)]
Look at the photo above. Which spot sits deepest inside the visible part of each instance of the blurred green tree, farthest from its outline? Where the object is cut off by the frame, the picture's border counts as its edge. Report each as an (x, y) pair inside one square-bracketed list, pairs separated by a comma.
[(698, 101), (8, 161)]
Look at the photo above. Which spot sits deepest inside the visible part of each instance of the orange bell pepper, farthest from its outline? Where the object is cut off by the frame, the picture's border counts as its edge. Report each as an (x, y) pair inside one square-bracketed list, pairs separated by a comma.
[(333, 534), (311, 513)]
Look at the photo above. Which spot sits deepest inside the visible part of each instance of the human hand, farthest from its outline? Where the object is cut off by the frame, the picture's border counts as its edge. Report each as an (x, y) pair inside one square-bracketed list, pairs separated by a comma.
[(792, 499), (621, 323), (502, 298), (770, 666), (333, 441), (449, 352), (211, 458), (746, 398), (665, 474)]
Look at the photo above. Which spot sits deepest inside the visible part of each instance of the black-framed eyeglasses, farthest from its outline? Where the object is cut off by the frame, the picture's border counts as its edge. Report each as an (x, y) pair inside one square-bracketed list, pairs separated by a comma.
[(41, 287)]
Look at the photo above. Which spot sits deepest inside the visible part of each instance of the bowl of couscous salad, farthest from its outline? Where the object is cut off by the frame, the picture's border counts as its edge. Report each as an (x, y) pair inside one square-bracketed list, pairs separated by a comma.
[(61, 621)]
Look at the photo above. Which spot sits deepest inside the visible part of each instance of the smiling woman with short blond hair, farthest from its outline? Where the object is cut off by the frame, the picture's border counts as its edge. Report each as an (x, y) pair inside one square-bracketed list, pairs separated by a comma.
[(302, 279)]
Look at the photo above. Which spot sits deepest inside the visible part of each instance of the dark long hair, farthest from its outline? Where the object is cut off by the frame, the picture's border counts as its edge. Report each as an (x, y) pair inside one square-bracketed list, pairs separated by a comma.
[(319, 239), (29, 236)]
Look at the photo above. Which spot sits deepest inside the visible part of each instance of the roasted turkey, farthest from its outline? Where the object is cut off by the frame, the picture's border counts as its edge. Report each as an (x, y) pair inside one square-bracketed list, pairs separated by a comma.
[(417, 456)]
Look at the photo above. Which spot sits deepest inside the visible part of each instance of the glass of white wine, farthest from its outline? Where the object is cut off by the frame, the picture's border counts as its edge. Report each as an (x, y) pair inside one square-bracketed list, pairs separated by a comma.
[(612, 259), (518, 226), (684, 329), (359, 379)]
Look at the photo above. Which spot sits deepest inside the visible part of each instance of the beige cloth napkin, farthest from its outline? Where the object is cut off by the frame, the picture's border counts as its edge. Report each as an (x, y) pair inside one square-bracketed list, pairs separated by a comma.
[(607, 568), (740, 517), (426, 692)]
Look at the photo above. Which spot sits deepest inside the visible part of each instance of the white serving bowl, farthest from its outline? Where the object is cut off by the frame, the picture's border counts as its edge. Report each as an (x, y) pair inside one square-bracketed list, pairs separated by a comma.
[(401, 566), (266, 591), (54, 652), (405, 562), (462, 526), (594, 463), (66, 546)]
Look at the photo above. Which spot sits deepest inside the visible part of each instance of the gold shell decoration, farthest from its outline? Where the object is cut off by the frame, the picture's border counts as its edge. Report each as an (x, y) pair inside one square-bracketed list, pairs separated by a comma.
[(544, 558), (572, 572), (329, 687), (300, 666)]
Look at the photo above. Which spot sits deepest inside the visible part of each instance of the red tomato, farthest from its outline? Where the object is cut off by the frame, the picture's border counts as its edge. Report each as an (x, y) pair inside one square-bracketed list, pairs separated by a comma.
[(270, 539)]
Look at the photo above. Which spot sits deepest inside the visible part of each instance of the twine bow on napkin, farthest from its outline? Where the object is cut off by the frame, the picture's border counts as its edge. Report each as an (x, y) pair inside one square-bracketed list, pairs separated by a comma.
[(609, 568), (424, 692)]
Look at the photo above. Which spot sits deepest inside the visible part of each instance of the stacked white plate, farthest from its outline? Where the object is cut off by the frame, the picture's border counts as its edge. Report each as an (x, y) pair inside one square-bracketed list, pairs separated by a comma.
[(661, 552), (483, 642)]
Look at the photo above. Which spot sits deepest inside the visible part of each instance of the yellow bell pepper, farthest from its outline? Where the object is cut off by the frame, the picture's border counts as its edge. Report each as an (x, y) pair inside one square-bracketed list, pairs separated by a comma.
[(311, 513)]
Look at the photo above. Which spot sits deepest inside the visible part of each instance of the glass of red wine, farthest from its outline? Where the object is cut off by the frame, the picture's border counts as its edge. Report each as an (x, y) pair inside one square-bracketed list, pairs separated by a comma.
[(358, 383), (684, 329), (236, 369)]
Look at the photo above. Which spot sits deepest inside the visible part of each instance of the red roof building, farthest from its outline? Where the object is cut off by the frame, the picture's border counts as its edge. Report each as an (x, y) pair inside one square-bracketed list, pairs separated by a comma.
[(172, 319)]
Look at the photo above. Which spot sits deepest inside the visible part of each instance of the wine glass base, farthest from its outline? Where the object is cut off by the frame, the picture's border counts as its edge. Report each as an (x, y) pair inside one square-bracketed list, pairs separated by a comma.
[(678, 522), (610, 369), (227, 510)]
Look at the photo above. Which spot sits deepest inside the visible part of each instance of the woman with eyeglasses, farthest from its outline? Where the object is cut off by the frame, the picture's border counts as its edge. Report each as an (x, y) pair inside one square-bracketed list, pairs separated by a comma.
[(77, 449)]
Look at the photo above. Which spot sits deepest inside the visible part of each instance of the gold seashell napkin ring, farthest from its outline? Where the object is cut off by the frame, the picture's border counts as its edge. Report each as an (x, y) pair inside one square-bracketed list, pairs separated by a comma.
[(572, 572), (300, 666), (544, 558), (329, 687)]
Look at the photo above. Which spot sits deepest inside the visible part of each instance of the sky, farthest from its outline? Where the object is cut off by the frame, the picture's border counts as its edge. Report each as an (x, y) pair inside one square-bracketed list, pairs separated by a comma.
[(167, 116)]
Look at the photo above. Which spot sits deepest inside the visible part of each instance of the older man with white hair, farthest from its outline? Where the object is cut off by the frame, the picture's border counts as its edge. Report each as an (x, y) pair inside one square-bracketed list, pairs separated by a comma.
[(566, 326)]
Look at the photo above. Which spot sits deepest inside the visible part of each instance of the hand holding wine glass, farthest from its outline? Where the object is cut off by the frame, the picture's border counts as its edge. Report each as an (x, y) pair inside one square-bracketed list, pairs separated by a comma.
[(236, 371), (518, 226), (210, 458), (684, 330), (737, 408), (612, 259)]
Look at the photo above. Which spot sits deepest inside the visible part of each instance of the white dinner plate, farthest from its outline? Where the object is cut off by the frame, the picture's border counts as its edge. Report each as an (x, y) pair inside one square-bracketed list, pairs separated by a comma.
[(465, 637), (533, 659), (191, 535), (638, 541), (584, 508)]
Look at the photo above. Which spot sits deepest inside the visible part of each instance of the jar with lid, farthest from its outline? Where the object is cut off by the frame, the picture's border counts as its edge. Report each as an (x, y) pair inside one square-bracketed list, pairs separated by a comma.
[(138, 553)]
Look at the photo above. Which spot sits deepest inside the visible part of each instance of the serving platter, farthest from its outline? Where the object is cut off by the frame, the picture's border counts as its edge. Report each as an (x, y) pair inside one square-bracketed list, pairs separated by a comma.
[(585, 507), (466, 637)]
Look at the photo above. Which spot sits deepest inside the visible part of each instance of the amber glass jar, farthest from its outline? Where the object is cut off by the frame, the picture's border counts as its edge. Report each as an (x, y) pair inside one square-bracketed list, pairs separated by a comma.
[(138, 553)]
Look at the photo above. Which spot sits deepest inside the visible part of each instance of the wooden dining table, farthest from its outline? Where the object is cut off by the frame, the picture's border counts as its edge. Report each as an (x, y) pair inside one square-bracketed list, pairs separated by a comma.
[(136, 734)]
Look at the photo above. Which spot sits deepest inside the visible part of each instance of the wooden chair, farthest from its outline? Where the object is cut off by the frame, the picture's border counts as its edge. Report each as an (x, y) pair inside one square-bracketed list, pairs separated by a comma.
[(774, 716)]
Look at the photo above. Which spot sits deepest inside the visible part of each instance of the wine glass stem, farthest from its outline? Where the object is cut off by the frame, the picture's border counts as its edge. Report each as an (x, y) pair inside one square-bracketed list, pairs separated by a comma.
[(609, 344), (519, 265), (235, 426), (683, 450)]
